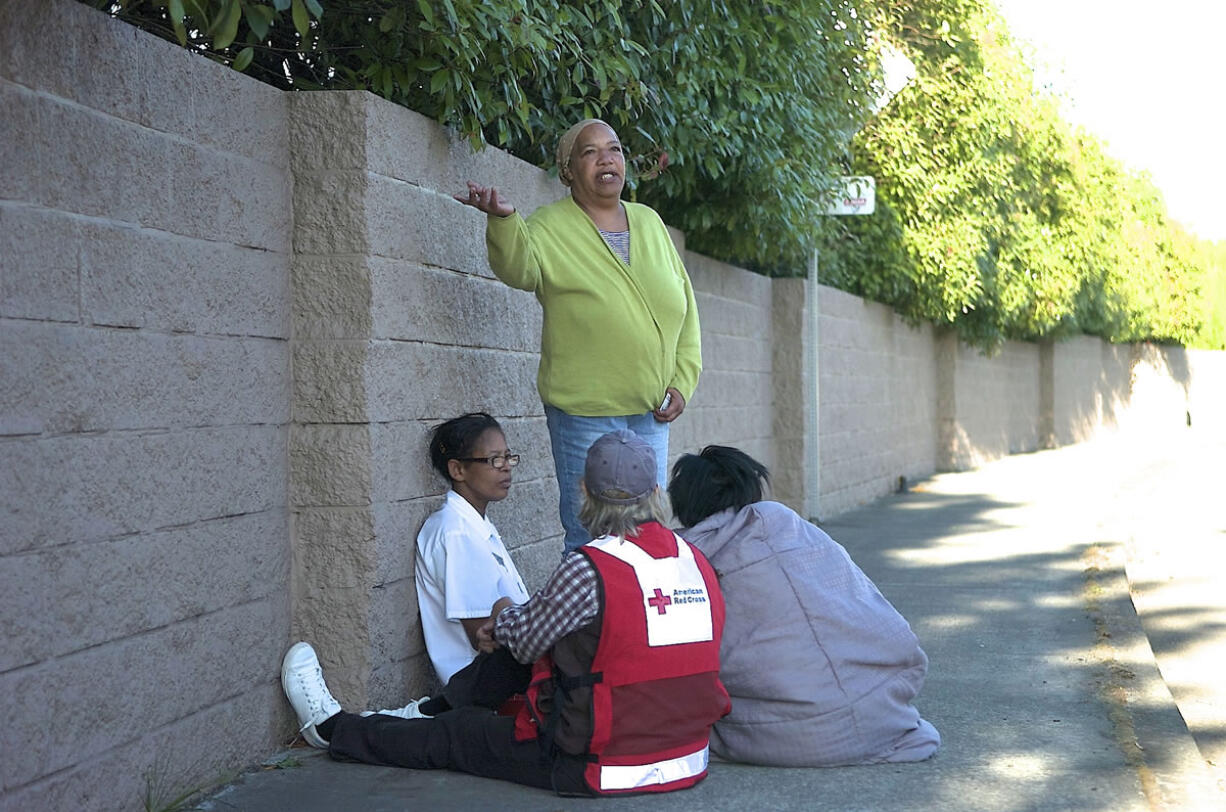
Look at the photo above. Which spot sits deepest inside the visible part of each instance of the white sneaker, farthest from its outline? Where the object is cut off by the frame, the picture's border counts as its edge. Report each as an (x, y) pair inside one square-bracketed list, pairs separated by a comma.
[(303, 682), (409, 711)]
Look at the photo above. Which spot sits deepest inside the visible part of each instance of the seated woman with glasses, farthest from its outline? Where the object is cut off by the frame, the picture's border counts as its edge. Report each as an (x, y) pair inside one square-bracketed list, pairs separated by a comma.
[(463, 568), (462, 564), (821, 668)]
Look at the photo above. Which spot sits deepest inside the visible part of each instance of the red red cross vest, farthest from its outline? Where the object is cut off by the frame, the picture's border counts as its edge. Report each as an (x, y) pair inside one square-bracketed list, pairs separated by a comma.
[(651, 691)]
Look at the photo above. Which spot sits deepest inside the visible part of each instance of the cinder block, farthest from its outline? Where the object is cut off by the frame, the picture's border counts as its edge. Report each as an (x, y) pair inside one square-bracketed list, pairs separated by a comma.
[(184, 668), (174, 113), (221, 196), (70, 378), (332, 297), (334, 565), (400, 461), (396, 525), (524, 185), (54, 47), (730, 317), (329, 209), (160, 765), (395, 624), (529, 514), (134, 184), (537, 561), (81, 488), (424, 226), (39, 266), (414, 303), (753, 289), (21, 144), (137, 583), (405, 145), (234, 113), (727, 281), (705, 274), (528, 435), (330, 465), (334, 550), (736, 353), (410, 147), (392, 684), (330, 382), (409, 381), (107, 60), (837, 304), (327, 131), (138, 277)]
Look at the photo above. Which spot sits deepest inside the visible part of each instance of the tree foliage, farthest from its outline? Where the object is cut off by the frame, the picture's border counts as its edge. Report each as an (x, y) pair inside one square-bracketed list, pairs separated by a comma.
[(994, 215), (997, 217)]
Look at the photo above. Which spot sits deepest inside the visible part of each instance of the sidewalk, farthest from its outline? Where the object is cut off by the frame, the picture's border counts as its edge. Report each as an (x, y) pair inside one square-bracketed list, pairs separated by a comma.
[(1041, 682)]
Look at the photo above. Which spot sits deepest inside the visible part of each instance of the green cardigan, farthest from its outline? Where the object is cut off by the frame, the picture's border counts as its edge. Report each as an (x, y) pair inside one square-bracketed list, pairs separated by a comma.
[(613, 337)]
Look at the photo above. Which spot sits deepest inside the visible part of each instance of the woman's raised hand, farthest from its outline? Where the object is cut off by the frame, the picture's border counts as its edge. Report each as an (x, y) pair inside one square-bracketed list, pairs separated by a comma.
[(486, 199)]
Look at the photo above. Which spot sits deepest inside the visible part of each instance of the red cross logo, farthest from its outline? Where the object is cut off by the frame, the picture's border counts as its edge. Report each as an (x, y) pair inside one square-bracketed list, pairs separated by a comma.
[(660, 601)]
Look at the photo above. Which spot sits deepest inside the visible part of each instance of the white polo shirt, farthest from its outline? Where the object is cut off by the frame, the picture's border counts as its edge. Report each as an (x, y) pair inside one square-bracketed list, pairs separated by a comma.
[(462, 568)]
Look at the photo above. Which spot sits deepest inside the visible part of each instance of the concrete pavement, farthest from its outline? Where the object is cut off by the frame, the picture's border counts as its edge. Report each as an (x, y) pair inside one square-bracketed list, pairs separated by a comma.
[(1176, 561), (1042, 682)]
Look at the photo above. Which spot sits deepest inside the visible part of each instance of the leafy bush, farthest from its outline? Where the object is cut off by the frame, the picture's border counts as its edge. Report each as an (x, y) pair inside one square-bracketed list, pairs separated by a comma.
[(995, 216)]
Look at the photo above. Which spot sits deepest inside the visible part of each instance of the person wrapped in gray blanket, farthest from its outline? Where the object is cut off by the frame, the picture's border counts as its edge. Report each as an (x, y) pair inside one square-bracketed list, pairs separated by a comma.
[(821, 668)]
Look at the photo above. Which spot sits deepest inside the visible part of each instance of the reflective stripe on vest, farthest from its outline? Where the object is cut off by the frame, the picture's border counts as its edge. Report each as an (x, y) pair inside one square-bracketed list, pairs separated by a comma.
[(632, 776)]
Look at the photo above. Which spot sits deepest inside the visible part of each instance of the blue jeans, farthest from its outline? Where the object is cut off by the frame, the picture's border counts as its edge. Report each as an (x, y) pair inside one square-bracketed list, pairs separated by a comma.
[(571, 436)]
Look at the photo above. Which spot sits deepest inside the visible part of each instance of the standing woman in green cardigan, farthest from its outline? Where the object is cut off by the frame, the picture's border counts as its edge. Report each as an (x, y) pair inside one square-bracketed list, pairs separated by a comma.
[(619, 338)]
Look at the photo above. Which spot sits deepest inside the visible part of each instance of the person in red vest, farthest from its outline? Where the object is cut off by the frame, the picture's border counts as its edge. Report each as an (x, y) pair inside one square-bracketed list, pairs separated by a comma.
[(624, 640)]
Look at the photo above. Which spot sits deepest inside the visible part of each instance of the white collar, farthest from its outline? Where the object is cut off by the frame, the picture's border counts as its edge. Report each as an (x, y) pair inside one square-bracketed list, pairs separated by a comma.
[(470, 515)]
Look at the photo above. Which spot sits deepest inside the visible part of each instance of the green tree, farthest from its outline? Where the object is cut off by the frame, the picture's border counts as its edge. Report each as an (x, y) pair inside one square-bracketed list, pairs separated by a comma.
[(995, 216)]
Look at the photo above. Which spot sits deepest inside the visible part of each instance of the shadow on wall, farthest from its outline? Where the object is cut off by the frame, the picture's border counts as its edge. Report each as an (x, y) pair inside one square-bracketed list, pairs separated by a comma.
[(1142, 386), (1158, 386)]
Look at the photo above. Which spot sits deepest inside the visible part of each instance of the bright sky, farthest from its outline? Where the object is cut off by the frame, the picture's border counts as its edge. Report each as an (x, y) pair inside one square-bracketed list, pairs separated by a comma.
[(1150, 79)]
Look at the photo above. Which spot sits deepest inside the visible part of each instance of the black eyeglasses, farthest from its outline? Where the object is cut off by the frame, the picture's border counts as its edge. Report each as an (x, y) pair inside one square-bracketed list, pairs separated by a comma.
[(495, 461)]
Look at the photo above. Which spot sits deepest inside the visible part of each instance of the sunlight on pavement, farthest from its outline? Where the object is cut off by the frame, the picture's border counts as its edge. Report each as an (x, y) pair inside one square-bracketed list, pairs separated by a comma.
[(1021, 765)]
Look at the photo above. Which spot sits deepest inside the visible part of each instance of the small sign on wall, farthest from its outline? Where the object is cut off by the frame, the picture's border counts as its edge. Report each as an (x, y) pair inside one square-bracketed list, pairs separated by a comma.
[(854, 194)]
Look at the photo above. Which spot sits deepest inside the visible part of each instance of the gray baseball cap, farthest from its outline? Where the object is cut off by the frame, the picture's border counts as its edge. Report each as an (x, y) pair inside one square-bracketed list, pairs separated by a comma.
[(620, 462)]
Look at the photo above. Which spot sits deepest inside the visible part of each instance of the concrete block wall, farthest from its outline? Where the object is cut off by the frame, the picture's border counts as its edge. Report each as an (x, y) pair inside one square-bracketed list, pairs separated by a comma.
[(734, 403), (144, 399), (989, 406), (878, 397), (1090, 388)]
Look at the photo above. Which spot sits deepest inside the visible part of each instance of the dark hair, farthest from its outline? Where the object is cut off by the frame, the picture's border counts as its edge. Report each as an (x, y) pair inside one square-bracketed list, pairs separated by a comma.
[(456, 438), (720, 477)]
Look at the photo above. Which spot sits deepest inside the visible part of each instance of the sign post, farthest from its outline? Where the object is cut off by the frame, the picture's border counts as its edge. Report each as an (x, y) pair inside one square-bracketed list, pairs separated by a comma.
[(854, 195)]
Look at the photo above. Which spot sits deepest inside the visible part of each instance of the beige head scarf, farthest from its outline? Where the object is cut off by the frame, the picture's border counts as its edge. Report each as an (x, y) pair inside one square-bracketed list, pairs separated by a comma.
[(566, 145)]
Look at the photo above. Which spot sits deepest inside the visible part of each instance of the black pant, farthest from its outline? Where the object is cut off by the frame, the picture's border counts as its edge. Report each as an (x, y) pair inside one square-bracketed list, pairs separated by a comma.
[(488, 681), (468, 739)]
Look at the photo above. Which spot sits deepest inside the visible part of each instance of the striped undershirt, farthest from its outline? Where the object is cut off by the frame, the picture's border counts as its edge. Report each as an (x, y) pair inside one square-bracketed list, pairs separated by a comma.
[(619, 241)]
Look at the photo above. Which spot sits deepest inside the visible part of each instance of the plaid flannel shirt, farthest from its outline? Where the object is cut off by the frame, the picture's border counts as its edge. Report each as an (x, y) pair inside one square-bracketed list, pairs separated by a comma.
[(568, 601)]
